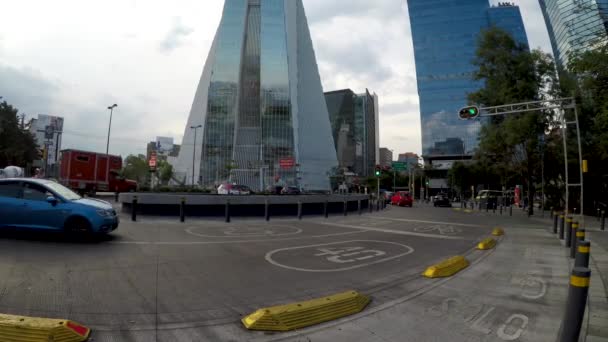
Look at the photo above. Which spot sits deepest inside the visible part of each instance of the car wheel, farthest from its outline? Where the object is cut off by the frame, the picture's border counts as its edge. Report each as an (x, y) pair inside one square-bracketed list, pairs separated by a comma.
[(78, 225)]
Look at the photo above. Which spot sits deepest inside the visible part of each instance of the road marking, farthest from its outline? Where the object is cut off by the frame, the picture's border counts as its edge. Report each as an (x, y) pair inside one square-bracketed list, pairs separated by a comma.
[(195, 243), (392, 231), (269, 255), (430, 222), (252, 231), (443, 230)]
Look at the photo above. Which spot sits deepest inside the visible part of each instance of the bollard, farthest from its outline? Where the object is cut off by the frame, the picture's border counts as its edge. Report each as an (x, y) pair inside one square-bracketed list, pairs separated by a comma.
[(555, 219), (501, 210), (116, 197), (359, 207), (182, 210), (603, 220), (568, 238), (573, 239), (511, 210), (267, 210), (580, 237), (134, 209), (562, 220), (575, 307), (326, 209), (299, 210), (227, 212), (345, 208), (582, 254), (599, 214)]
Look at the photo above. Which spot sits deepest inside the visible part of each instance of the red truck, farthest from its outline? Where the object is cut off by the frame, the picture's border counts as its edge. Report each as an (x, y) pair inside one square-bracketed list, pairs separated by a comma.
[(90, 172)]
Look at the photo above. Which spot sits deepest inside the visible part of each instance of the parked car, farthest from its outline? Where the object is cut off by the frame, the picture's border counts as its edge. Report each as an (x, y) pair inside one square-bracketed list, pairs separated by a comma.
[(402, 199), (442, 200), (290, 190), (233, 189), (47, 205)]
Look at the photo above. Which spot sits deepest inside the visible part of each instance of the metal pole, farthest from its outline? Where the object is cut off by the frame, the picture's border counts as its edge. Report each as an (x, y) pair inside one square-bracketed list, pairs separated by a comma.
[(603, 220), (111, 108), (394, 180), (580, 160), (564, 132)]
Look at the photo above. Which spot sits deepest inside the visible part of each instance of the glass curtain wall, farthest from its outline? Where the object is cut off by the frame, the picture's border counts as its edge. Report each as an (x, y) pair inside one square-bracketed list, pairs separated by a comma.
[(277, 123), (218, 138)]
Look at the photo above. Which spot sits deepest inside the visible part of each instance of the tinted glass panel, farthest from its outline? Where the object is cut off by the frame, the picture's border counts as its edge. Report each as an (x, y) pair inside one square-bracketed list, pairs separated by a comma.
[(10, 190)]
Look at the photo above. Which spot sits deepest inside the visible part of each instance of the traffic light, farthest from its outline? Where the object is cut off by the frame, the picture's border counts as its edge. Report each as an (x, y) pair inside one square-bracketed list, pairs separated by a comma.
[(378, 171), (468, 113)]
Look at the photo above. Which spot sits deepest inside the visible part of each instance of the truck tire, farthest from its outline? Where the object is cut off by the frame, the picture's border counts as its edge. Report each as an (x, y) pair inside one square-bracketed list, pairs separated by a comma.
[(77, 225)]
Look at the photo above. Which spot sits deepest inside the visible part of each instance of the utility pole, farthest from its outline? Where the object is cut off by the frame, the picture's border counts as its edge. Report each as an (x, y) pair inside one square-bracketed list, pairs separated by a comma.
[(111, 108)]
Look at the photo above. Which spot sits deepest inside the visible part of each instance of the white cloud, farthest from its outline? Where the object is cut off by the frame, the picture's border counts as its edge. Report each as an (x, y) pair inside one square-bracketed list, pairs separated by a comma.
[(147, 56)]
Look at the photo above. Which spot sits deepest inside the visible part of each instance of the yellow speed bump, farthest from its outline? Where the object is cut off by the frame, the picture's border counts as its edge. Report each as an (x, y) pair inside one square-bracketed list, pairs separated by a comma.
[(31, 329), (468, 211), (486, 244), (447, 267), (457, 209), (498, 231), (303, 314)]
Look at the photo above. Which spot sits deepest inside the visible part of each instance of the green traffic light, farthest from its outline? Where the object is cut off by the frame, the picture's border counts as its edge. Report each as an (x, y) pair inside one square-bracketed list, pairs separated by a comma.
[(472, 111)]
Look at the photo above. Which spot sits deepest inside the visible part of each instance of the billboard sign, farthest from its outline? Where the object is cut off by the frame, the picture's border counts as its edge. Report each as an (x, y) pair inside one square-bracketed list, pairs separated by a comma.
[(287, 163)]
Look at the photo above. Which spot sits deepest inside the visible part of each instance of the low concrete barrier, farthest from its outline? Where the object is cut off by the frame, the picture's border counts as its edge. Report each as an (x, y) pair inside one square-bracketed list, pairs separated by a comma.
[(447, 268), (33, 329)]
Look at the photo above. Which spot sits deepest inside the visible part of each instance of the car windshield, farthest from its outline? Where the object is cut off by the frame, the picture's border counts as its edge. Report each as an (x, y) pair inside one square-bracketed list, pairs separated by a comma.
[(63, 191)]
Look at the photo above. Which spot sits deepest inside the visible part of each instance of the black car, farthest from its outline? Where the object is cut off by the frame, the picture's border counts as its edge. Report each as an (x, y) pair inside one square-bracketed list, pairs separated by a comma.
[(442, 200)]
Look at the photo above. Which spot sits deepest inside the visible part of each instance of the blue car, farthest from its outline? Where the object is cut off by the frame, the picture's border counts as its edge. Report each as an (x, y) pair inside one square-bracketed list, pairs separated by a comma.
[(47, 205)]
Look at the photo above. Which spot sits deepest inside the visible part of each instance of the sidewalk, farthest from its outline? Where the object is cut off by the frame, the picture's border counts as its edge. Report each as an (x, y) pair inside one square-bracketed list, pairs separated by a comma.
[(596, 320)]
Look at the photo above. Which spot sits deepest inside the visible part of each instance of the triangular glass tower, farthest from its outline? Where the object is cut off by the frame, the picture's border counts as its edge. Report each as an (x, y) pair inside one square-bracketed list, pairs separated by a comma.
[(260, 104)]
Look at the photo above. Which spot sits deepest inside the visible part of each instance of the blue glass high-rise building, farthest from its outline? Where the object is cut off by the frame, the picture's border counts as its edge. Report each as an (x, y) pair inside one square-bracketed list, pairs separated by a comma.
[(445, 35), (260, 104), (574, 25)]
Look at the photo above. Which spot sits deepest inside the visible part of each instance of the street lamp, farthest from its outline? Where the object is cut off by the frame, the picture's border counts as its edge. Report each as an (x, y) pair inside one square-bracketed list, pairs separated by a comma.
[(195, 128), (111, 108)]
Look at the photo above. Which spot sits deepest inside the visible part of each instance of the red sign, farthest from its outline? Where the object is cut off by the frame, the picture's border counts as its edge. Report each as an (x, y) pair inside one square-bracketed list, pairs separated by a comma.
[(287, 163), (152, 161)]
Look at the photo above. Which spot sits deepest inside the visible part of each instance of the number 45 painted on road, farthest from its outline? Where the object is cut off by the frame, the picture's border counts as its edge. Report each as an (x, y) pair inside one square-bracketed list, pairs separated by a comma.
[(349, 254)]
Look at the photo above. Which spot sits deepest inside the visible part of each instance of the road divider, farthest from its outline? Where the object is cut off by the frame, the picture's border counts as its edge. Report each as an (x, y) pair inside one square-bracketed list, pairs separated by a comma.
[(498, 231), (303, 314), (447, 268), (32, 329), (486, 244)]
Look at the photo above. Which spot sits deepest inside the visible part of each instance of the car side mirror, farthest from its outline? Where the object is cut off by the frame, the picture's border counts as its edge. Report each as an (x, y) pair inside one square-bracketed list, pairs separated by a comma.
[(52, 200)]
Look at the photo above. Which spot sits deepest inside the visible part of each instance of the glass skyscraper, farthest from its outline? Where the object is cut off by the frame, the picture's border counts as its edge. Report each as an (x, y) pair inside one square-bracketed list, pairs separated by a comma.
[(445, 35), (260, 103), (574, 25), (354, 119)]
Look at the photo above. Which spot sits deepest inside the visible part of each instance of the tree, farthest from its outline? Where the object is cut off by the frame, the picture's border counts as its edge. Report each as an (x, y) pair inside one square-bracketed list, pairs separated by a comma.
[(165, 172), (136, 168), (511, 74), (17, 146)]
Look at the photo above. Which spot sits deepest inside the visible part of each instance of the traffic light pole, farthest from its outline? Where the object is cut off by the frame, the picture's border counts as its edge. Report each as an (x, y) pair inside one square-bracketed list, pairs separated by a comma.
[(535, 106)]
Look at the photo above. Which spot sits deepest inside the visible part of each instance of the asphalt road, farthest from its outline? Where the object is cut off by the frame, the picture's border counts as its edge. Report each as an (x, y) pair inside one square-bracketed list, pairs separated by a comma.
[(162, 275)]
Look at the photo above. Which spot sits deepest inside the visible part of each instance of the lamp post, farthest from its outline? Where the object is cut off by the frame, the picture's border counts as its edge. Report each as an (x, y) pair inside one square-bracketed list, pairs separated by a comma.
[(111, 108), (195, 128)]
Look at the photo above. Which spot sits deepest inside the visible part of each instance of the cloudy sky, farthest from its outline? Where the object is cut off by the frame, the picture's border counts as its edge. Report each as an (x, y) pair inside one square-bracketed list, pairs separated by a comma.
[(74, 58)]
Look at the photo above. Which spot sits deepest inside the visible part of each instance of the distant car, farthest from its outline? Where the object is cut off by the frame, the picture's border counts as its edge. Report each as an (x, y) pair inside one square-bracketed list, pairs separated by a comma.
[(402, 199), (291, 190), (233, 189), (442, 200), (47, 205)]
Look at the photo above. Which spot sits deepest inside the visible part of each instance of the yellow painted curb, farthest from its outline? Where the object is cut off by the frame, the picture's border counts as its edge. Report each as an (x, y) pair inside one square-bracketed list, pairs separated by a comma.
[(303, 314), (486, 244), (498, 231), (32, 329), (447, 267)]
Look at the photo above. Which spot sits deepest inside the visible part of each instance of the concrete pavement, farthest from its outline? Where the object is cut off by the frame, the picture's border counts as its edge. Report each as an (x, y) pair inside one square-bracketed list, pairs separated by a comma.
[(161, 280)]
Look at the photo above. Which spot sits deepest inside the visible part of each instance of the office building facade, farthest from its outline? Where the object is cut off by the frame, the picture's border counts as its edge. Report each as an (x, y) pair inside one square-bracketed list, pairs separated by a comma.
[(386, 157), (574, 25), (445, 34), (354, 122), (409, 158), (259, 103)]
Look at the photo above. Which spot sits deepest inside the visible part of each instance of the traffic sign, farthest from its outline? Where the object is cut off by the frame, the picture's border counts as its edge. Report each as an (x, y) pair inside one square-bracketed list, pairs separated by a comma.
[(399, 166)]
